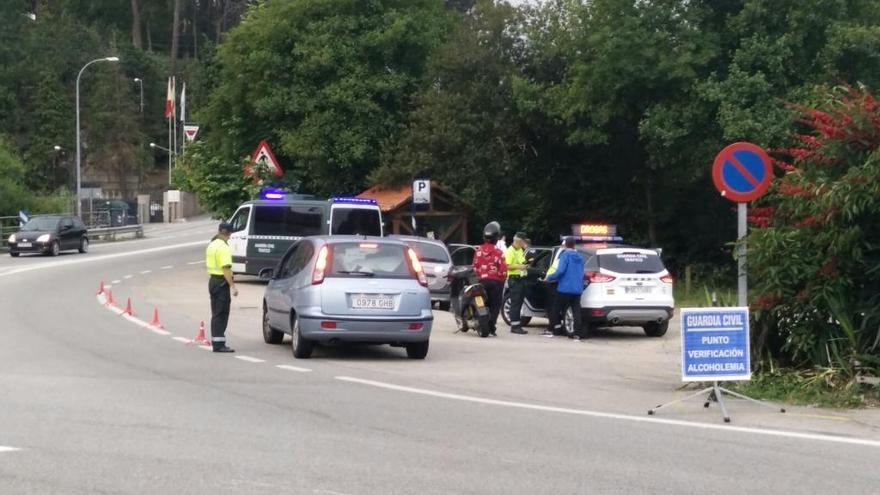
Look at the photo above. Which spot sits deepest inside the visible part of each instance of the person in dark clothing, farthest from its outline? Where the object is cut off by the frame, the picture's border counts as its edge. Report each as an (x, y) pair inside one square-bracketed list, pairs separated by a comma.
[(491, 271), (570, 275)]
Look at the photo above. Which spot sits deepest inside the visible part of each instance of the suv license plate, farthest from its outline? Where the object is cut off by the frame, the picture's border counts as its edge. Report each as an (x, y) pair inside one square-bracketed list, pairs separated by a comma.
[(638, 290), (372, 302)]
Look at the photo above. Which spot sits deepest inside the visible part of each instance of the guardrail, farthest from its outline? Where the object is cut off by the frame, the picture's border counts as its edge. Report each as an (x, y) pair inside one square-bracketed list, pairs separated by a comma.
[(8, 226)]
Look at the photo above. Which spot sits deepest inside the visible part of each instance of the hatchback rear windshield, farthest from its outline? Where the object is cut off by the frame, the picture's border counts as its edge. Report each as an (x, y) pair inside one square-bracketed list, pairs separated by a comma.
[(631, 262), (356, 221), (368, 259), (429, 252), (288, 220)]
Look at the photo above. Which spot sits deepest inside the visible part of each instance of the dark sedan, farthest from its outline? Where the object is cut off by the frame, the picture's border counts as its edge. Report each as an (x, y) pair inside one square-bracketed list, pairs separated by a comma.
[(50, 234)]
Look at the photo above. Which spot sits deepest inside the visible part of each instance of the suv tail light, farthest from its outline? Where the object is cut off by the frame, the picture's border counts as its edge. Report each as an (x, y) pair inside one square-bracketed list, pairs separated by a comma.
[(416, 267), (321, 266), (666, 279), (598, 278)]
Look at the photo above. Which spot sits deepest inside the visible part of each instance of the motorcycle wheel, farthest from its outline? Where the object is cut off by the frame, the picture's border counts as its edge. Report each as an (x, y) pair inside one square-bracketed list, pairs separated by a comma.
[(483, 325)]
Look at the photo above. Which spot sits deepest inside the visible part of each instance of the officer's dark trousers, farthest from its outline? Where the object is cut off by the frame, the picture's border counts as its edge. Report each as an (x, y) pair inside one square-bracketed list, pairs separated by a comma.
[(220, 301), (516, 287), (573, 301), (495, 293)]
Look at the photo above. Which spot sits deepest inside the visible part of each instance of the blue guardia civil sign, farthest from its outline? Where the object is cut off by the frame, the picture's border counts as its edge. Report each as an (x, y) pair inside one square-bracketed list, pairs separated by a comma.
[(715, 344)]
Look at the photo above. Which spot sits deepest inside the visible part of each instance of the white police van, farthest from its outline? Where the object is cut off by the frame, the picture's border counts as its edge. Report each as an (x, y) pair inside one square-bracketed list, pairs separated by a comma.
[(263, 230)]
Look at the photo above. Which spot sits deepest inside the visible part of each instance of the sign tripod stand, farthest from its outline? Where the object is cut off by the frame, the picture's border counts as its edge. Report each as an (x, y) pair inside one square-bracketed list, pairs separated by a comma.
[(715, 392), (715, 341)]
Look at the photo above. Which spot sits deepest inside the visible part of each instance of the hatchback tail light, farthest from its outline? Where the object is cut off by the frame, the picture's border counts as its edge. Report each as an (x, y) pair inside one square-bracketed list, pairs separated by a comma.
[(666, 279), (416, 267), (416, 326), (321, 266), (598, 278), (328, 325)]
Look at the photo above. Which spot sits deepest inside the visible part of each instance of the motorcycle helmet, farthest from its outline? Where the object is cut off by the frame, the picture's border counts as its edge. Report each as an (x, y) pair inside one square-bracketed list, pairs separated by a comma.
[(492, 232)]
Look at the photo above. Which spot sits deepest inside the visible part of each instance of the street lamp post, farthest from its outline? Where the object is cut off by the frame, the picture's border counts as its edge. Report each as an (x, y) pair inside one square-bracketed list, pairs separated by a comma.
[(141, 83), (54, 179), (170, 156), (78, 145)]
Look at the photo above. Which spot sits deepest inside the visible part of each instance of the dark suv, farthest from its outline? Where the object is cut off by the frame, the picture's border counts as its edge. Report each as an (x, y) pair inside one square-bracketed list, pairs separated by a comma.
[(50, 234)]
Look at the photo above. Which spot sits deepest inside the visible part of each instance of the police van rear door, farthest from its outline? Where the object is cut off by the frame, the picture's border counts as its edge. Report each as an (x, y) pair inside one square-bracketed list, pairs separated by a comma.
[(355, 217), (277, 226)]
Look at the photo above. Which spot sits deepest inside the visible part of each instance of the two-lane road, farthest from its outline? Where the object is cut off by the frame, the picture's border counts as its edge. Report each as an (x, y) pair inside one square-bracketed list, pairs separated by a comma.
[(94, 404)]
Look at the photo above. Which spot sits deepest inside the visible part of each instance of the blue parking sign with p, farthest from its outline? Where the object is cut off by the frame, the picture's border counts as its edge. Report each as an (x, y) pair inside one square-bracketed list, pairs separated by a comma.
[(715, 344)]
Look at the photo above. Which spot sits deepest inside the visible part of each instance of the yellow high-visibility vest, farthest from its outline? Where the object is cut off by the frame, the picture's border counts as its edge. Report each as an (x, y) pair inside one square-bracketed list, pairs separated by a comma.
[(218, 255)]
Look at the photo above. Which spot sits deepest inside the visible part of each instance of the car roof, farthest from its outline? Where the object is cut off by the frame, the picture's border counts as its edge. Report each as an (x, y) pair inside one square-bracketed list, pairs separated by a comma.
[(413, 238), (337, 239), (285, 202)]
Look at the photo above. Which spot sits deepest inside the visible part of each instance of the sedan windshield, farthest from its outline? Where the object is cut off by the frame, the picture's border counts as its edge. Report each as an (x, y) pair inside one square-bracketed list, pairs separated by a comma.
[(41, 224)]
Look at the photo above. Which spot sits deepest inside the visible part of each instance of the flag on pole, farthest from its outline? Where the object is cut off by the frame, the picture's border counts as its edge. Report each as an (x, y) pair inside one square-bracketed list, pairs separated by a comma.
[(169, 99), (183, 103)]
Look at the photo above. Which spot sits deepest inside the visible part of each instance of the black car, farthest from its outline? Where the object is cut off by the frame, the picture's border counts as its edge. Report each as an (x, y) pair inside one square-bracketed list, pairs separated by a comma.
[(50, 234)]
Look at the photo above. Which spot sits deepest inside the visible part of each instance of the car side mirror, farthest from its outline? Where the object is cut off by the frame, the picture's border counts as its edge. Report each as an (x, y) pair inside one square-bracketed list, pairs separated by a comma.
[(267, 274)]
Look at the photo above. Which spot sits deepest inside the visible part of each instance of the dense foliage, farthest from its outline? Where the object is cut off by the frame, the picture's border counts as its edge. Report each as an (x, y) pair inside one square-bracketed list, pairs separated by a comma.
[(816, 240)]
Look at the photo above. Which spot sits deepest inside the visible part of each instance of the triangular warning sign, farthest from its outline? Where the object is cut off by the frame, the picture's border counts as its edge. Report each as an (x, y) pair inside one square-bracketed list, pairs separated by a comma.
[(263, 155), (190, 131)]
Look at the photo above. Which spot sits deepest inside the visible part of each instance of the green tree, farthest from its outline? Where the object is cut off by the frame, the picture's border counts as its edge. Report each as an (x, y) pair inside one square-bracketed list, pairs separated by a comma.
[(325, 82)]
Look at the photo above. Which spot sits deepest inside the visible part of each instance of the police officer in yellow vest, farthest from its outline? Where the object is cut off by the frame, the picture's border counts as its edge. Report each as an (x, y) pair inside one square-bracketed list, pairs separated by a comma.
[(517, 267), (218, 260)]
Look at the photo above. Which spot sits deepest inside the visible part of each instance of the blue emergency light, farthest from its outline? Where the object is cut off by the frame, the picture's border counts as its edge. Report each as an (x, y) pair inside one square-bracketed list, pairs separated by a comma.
[(353, 201), (273, 194)]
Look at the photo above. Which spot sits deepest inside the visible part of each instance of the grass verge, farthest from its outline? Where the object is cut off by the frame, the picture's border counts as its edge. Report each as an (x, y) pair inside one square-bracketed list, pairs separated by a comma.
[(822, 387)]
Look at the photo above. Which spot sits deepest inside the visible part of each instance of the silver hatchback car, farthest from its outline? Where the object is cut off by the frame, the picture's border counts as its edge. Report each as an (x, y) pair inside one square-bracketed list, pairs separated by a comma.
[(330, 290)]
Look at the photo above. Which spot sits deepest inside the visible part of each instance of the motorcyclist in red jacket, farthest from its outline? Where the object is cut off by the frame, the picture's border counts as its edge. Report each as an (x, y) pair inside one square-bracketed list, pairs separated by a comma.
[(491, 270)]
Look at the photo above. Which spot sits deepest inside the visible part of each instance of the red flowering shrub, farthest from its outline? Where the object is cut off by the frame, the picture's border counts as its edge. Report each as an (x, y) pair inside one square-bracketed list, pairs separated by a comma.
[(814, 249)]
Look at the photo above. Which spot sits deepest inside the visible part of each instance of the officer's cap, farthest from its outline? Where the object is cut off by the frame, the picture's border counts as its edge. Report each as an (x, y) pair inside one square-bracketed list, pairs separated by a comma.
[(225, 227)]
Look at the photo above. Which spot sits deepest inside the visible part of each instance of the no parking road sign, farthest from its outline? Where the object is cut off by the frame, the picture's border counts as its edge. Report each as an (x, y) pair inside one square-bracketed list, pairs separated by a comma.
[(742, 172)]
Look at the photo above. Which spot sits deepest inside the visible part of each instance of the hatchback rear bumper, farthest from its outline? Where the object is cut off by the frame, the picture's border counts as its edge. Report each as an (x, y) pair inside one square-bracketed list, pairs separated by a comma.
[(36, 247), (391, 330), (628, 315)]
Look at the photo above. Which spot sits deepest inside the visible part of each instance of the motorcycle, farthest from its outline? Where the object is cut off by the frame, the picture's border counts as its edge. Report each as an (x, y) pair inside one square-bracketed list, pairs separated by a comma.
[(468, 301)]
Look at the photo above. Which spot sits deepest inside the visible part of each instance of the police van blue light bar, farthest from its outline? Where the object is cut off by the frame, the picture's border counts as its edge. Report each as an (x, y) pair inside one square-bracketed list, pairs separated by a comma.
[(354, 201), (273, 194)]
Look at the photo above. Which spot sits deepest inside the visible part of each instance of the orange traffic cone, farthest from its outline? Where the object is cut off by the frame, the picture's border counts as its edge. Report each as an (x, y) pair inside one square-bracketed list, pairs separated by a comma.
[(200, 338), (101, 288), (156, 323), (128, 310), (110, 300)]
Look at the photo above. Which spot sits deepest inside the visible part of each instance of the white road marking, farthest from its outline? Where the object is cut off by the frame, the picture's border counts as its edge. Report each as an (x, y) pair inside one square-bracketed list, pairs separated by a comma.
[(8, 449), (93, 259), (206, 347), (167, 267), (613, 416), (292, 368), (250, 359), (117, 282), (108, 287), (195, 262), (146, 272), (126, 277), (182, 339)]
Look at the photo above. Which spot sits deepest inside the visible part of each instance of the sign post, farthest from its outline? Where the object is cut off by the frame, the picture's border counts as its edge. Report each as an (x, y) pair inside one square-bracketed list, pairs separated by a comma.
[(741, 173), (715, 343), (421, 195)]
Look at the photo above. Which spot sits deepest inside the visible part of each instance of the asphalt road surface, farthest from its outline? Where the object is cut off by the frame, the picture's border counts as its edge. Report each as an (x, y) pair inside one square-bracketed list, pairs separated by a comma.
[(93, 403)]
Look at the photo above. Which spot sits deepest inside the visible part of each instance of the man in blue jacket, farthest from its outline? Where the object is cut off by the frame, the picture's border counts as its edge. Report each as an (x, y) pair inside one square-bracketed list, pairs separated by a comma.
[(570, 275)]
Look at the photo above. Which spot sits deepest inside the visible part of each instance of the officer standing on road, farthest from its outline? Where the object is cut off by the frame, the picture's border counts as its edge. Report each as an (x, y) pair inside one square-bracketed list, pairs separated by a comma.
[(517, 269), (491, 270), (218, 260), (570, 275)]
